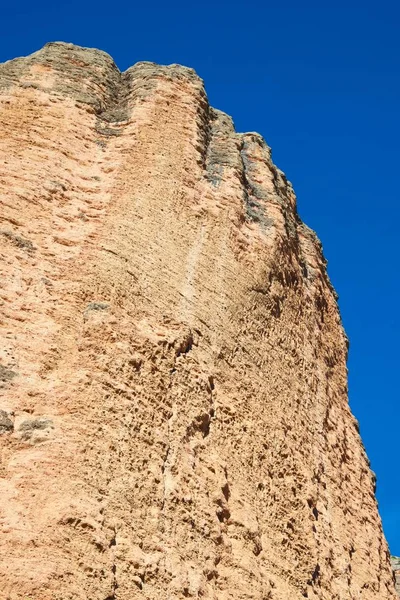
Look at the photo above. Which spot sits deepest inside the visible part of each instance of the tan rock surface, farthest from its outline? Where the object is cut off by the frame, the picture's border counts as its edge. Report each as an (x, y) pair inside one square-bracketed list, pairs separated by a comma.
[(174, 419)]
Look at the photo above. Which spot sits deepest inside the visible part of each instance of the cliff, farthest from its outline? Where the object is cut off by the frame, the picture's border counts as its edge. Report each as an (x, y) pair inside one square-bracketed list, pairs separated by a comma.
[(174, 418), (395, 561)]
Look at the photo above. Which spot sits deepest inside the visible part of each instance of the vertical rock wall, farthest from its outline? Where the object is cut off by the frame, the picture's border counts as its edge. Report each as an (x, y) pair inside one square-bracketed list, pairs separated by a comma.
[(174, 419), (395, 561)]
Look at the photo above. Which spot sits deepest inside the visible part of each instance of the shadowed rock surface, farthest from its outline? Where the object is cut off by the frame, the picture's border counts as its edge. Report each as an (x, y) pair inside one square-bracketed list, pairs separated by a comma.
[(395, 560), (172, 354)]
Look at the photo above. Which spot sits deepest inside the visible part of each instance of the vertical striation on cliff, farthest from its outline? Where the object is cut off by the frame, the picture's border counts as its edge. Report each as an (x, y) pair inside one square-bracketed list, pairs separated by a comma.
[(174, 419)]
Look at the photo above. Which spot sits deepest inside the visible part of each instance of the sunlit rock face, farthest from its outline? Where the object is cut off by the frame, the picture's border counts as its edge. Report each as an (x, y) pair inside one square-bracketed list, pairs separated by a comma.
[(174, 419)]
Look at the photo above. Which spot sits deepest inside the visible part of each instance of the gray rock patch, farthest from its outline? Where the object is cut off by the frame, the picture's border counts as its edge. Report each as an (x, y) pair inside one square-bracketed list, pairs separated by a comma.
[(35, 430), (6, 424), (6, 374)]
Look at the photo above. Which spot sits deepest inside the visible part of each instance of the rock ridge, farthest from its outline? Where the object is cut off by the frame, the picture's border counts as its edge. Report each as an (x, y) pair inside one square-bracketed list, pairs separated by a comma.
[(174, 418)]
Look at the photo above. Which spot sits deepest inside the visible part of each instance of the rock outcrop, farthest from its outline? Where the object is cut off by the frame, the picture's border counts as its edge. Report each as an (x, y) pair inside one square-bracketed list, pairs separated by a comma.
[(395, 560), (174, 419)]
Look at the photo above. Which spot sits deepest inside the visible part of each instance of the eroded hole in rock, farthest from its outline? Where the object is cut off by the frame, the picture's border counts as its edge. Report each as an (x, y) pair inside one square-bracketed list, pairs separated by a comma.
[(315, 575), (200, 424), (226, 491), (290, 525), (223, 514), (257, 549), (135, 362), (205, 425), (185, 345), (77, 522)]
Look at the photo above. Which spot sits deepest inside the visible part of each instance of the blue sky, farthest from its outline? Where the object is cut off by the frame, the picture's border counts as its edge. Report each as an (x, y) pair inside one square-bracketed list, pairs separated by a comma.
[(320, 81)]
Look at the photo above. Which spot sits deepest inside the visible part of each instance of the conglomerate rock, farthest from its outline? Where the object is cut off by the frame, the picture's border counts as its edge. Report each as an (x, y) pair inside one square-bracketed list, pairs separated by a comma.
[(174, 414)]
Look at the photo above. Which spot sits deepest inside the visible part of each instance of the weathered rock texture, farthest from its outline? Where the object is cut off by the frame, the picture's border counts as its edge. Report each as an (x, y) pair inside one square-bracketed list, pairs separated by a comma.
[(395, 560), (174, 419)]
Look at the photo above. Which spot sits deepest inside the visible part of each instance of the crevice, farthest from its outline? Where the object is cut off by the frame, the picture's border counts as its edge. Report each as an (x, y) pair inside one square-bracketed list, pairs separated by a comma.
[(220, 146), (114, 583), (114, 115), (113, 540), (252, 206), (116, 108), (226, 491), (315, 575), (257, 545), (223, 512), (254, 197), (163, 469), (204, 128), (202, 423)]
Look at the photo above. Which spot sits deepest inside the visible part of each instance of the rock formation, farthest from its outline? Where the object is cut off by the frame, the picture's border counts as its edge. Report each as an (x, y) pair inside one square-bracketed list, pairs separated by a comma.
[(395, 560), (174, 419)]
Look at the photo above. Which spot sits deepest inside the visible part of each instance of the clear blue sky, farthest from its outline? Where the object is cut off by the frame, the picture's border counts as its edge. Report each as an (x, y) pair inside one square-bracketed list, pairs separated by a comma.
[(320, 80)]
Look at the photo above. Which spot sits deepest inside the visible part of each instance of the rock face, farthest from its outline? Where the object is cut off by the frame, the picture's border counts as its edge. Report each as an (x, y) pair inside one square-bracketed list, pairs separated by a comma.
[(395, 560), (174, 419)]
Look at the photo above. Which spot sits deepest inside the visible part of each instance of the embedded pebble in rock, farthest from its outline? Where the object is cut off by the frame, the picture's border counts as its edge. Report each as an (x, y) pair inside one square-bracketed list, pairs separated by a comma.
[(173, 356)]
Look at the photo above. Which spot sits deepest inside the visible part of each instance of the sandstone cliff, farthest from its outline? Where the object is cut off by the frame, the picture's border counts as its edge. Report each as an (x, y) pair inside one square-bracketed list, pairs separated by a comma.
[(174, 418)]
